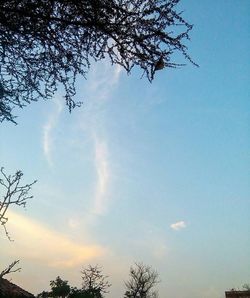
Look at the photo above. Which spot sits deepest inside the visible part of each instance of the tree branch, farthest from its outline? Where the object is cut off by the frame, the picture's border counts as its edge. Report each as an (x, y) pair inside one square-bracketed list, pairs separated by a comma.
[(13, 194), (10, 269), (44, 44)]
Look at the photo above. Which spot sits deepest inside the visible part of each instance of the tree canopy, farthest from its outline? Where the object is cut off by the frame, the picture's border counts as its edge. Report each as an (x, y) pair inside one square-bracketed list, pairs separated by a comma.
[(59, 287), (94, 282), (141, 282), (49, 43)]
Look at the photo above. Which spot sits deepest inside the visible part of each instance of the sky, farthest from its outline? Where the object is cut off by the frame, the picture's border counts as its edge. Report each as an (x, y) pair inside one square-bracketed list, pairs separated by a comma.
[(154, 173)]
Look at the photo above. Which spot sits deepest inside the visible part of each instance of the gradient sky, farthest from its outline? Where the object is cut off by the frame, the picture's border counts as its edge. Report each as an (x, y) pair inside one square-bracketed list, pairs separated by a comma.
[(157, 173)]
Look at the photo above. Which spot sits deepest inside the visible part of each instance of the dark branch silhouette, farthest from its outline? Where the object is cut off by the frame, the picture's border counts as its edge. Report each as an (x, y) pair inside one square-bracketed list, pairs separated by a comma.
[(141, 282), (59, 288), (48, 43), (10, 269), (94, 282), (13, 194)]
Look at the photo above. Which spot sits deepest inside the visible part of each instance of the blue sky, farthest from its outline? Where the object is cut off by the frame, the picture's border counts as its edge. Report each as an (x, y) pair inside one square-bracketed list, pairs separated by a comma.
[(156, 172)]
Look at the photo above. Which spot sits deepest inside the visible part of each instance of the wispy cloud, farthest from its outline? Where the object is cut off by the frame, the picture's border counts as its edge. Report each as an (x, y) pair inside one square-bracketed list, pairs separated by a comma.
[(38, 243), (48, 129), (178, 225), (102, 81), (160, 251), (103, 176)]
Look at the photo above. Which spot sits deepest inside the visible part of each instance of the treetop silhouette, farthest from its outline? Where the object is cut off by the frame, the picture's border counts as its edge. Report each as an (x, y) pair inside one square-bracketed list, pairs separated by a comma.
[(49, 43)]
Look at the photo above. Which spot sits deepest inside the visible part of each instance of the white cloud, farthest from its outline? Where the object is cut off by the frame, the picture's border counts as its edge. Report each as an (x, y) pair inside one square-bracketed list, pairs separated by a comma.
[(73, 223), (160, 250), (178, 225), (103, 176), (48, 129), (102, 81)]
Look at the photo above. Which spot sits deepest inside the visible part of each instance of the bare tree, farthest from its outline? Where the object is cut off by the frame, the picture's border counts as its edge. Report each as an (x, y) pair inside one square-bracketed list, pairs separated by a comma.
[(141, 282), (10, 269), (246, 287), (94, 282), (47, 43), (13, 194)]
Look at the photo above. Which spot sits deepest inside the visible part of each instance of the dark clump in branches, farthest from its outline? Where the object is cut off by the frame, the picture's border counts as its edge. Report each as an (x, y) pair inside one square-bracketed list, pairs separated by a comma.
[(47, 43), (12, 193)]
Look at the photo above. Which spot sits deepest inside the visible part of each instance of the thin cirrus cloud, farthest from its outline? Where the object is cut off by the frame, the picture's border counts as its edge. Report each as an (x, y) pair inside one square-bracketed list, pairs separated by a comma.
[(48, 131), (40, 244), (102, 81), (103, 176), (106, 84), (178, 225)]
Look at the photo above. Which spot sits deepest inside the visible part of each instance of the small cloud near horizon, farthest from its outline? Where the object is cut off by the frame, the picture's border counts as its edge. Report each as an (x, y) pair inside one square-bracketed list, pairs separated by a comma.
[(178, 225)]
